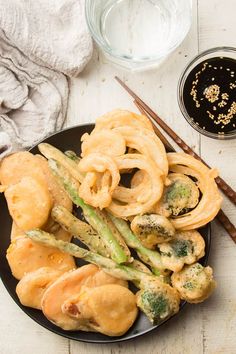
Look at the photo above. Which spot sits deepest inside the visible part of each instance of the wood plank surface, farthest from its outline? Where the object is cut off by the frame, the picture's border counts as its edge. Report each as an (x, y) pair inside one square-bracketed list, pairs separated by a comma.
[(219, 313), (205, 328)]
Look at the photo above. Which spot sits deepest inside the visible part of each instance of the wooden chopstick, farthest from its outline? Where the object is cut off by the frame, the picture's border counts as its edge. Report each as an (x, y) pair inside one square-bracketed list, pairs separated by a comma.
[(156, 130), (221, 216), (225, 188)]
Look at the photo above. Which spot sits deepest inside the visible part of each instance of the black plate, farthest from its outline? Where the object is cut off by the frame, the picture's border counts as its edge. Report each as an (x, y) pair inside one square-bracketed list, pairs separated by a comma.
[(69, 139)]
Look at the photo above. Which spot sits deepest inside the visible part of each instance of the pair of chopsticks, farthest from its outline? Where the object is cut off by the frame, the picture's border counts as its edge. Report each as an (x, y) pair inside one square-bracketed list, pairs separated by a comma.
[(153, 117)]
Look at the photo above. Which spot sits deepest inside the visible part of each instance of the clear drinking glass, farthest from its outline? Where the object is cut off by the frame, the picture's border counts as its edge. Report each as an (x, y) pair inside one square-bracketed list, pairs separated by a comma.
[(138, 33)]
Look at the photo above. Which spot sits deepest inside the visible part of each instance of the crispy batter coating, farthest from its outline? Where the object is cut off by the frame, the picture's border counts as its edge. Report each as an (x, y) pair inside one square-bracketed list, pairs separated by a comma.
[(187, 247), (154, 193), (194, 282), (109, 309), (15, 231), (152, 229), (158, 300), (33, 285), (19, 165), (70, 284), (104, 141), (145, 142), (211, 199), (179, 196), (29, 203), (121, 117), (25, 256), (97, 165), (58, 194)]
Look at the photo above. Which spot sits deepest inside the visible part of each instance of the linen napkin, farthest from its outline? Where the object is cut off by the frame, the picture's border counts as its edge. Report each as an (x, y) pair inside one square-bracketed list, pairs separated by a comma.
[(41, 43)]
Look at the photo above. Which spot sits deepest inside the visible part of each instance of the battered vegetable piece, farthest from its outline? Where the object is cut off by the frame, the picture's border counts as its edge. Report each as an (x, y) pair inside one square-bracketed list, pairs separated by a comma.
[(70, 284), (29, 203), (139, 191), (194, 282), (158, 301), (103, 214), (94, 194), (72, 155), (54, 228), (50, 152), (81, 230), (154, 289), (119, 118), (180, 196), (109, 309), (2, 188), (33, 285), (15, 231), (25, 256), (187, 247), (152, 229), (146, 142), (148, 256), (211, 199), (19, 165), (154, 192), (71, 186), (59, 197), (105, 141), (58, 194), (86, 234), (136, 264), (63, 235)]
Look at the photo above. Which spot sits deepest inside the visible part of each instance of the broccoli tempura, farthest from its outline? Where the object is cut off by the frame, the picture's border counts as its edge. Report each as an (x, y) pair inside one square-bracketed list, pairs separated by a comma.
[(194, 282)]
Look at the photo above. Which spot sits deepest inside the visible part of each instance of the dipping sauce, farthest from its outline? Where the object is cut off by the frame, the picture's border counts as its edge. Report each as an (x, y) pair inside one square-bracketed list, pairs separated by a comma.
[(209, 95)]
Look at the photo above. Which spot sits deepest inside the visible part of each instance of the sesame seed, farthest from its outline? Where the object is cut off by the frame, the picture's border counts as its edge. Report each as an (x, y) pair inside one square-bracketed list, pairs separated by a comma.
[(212, 93), (225, 96)]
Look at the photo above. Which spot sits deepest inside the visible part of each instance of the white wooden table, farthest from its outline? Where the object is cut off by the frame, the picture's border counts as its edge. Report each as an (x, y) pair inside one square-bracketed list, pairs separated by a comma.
[(206, 328)]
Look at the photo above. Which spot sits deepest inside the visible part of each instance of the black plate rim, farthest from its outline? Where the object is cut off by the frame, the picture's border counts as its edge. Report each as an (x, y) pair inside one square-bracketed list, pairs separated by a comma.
[(109, 340)]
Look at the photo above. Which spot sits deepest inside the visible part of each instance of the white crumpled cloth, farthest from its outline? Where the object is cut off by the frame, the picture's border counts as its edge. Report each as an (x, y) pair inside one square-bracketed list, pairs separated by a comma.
[(41, 43)]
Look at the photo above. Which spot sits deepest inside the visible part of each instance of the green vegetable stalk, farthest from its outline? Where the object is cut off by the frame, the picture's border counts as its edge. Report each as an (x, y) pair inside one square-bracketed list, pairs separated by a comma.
[(153, 258), (156, 299), (71, 186), (81, 230)]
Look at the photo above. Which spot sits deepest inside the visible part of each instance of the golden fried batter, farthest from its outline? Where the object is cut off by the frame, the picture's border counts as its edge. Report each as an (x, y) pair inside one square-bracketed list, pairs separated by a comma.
[(187, 247), (69, 284), (194, 282), (58, 194), (33, 285), (109, 309), (25, 256), (15, 231), (19, 165), (29, 203)]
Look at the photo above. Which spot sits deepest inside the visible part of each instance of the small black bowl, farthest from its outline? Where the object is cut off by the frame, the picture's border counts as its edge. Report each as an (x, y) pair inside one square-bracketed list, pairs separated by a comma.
[(204, 124)]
